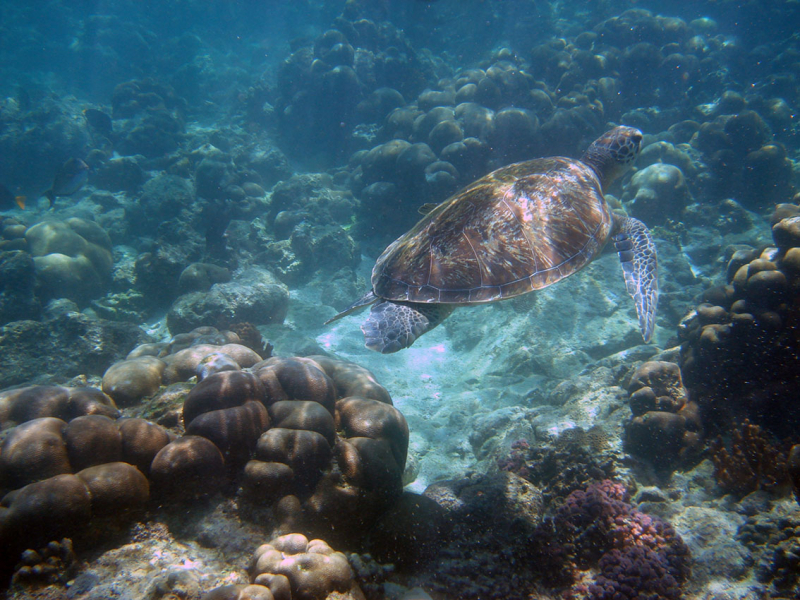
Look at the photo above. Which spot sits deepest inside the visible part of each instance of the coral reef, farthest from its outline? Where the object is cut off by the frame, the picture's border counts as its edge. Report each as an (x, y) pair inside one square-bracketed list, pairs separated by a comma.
[(569, 462), (330, 465), (310, 569), (750, 462), (481, 534), (636, 553), (55, 563), (773, 539), (58, 348), (739, 353), (73, 258), (794, 470), (24, 404), (290, 432), (666, 428), (189, 115)]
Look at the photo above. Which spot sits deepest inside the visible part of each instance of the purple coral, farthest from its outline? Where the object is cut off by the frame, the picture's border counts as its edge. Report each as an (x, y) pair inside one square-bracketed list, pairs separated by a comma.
[(636, 572), (638, 555)]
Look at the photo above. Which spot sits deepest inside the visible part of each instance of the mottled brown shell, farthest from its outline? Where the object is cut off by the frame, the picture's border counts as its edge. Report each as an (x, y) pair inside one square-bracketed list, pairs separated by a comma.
[(518, 229)]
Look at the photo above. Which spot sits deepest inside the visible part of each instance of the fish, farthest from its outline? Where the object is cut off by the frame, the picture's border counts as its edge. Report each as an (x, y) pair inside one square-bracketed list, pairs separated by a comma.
[(8, 199), (70, 178), (98, 120)]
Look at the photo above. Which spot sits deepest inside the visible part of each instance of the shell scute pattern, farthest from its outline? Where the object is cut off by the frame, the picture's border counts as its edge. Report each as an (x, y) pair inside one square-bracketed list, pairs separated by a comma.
[(519, 229)]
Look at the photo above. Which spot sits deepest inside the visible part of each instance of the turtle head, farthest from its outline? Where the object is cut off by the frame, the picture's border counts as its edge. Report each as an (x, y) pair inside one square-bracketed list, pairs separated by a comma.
[(613, 153)]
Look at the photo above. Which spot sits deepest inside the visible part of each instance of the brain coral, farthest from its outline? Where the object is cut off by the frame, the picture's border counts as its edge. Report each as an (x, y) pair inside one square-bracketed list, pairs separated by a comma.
[(312, 569), (72, 257)]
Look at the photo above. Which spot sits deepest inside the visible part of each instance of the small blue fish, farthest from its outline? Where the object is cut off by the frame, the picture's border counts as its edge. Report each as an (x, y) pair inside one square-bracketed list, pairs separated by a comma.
[(70, 178)]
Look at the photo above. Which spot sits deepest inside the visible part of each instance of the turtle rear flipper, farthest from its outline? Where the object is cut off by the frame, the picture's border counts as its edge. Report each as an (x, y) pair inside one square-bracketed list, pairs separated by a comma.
[(392, 326), (637, 253)]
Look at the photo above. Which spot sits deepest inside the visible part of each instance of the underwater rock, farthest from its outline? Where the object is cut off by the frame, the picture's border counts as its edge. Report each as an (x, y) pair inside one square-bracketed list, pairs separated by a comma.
[(163, 198), (488, 518), (149, 115), (122, 174), (73, 258), (794, 470), (254, 296), (59, 348), (17, 287), (199, 277), (410, 533), (569, 462), (772, 539)]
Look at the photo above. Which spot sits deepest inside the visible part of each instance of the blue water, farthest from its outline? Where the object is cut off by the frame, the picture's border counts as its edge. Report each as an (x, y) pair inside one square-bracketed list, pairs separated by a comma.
[(282, 146)]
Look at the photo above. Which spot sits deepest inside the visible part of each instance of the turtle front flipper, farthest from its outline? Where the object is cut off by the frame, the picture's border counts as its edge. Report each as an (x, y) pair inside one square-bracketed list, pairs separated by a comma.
[(365, 300), (392, 326), (637, 253)]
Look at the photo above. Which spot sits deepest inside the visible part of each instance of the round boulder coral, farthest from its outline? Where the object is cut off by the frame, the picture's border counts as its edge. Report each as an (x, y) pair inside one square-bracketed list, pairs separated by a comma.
[(115, 488), (34, 402), (188, 468), (34, 451), (666, 428), (92, 440), (313, 569), (73, 258), (129, 381)]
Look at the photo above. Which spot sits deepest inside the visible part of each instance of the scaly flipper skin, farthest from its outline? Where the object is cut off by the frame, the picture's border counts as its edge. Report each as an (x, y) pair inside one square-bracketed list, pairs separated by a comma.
[(637, 253), (392, 326), (365, 300)]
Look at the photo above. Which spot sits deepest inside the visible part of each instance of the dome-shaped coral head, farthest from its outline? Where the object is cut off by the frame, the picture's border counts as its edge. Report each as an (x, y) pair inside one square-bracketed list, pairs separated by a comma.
[(611, 155)]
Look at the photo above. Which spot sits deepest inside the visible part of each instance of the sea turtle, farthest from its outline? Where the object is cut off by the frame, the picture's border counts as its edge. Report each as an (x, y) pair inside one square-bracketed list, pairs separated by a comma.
[(518, 229)]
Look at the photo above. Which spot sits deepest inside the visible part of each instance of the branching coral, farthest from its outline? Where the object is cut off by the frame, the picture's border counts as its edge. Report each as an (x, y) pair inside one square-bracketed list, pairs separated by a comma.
[(751, 461)]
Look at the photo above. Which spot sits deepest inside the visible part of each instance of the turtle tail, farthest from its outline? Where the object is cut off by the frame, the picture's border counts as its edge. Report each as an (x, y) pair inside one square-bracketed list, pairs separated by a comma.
[(392, 326), (637, 253)]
